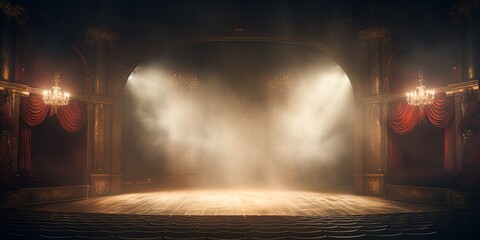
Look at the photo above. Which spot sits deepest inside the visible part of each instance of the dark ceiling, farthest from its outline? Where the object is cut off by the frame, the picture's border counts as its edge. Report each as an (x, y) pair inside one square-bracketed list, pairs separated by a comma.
[(231, 13)]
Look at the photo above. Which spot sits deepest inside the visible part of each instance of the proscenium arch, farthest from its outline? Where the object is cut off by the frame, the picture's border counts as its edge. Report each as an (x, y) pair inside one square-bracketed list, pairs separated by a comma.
[(353, 77), (122, 78)]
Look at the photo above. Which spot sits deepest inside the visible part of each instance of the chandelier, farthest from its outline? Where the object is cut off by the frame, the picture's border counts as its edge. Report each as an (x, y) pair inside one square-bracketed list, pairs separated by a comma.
[(421, 96), (56, 97)]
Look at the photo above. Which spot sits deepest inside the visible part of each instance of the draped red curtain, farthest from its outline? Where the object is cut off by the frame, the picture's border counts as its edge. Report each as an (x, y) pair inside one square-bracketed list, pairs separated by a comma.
[(33, 111), (403, 118), (72, 117)]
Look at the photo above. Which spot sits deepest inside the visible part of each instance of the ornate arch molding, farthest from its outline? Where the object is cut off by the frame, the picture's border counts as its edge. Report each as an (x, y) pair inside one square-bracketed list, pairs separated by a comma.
[(336, 55)]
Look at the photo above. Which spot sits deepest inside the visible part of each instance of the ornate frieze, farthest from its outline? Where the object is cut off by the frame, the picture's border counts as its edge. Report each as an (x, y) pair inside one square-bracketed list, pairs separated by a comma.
[(418, 194), (53, 194)]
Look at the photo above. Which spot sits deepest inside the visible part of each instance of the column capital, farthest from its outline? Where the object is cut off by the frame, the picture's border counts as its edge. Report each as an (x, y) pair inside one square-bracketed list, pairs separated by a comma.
[(462, 8), (14, 11)]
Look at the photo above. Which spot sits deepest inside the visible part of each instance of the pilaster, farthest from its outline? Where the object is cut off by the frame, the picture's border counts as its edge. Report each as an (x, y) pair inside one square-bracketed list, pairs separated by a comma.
[(374, 113), (100, 127)]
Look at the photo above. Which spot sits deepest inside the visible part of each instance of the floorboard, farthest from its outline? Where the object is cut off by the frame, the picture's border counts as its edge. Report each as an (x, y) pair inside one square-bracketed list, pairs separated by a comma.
[(238, 202)]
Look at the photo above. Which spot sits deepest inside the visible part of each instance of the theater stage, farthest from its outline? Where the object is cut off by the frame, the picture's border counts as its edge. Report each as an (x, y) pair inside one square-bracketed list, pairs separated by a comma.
[(238, 202)]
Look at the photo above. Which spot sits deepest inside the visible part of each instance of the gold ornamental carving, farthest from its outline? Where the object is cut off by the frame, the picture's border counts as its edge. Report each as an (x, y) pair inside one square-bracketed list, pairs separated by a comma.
[(100, 187), (238, 31), (7, 98), (53, 194), (99, 138), (375, 137), (374, 185), (12, 199), (16, 11), (463, 8), (458, 199), (466, 145), (101, 35), (416, 194), (6, 150), (468, 132), (374, 34)]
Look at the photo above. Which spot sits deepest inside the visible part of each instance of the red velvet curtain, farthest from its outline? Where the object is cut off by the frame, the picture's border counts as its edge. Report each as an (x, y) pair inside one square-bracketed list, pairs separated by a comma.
[(72, 117), (403, 119), (33, 111)]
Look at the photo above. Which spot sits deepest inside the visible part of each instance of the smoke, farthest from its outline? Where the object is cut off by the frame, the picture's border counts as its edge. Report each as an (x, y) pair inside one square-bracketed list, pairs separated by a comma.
[(233, 130)]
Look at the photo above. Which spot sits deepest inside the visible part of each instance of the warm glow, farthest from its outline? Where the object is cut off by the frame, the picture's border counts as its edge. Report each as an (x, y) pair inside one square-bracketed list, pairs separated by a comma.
[(420, 97), (235, 126), (56, 97), (240, 202)]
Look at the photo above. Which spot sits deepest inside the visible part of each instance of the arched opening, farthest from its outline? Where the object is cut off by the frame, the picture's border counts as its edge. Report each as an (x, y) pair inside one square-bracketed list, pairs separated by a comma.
[(241, 123), (56, 150)]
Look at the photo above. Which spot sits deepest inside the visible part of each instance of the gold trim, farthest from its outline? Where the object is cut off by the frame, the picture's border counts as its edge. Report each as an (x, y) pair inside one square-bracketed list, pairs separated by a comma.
[(462, 8), (374, 34), (100, 34), (375, 138), (374, 175), (374, 185), (99, 139), (100, 187), (238, 31), (16, 11), (25, 90), (451, 89), (458, 88)]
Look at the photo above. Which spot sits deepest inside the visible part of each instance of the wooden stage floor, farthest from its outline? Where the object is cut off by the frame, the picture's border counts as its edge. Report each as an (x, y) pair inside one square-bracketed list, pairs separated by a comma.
[(238, 202)]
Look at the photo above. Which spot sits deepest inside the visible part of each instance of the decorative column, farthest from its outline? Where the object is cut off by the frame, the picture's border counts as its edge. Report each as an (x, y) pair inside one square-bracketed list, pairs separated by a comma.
[(9, 99), (375, 112), (465, 142), (7, 110), (101, 167), (466, 13), (10, 12)]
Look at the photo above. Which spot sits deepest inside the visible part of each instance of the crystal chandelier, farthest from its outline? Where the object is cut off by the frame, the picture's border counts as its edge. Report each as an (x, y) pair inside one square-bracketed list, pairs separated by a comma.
[(55, 97), (421, 96)]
